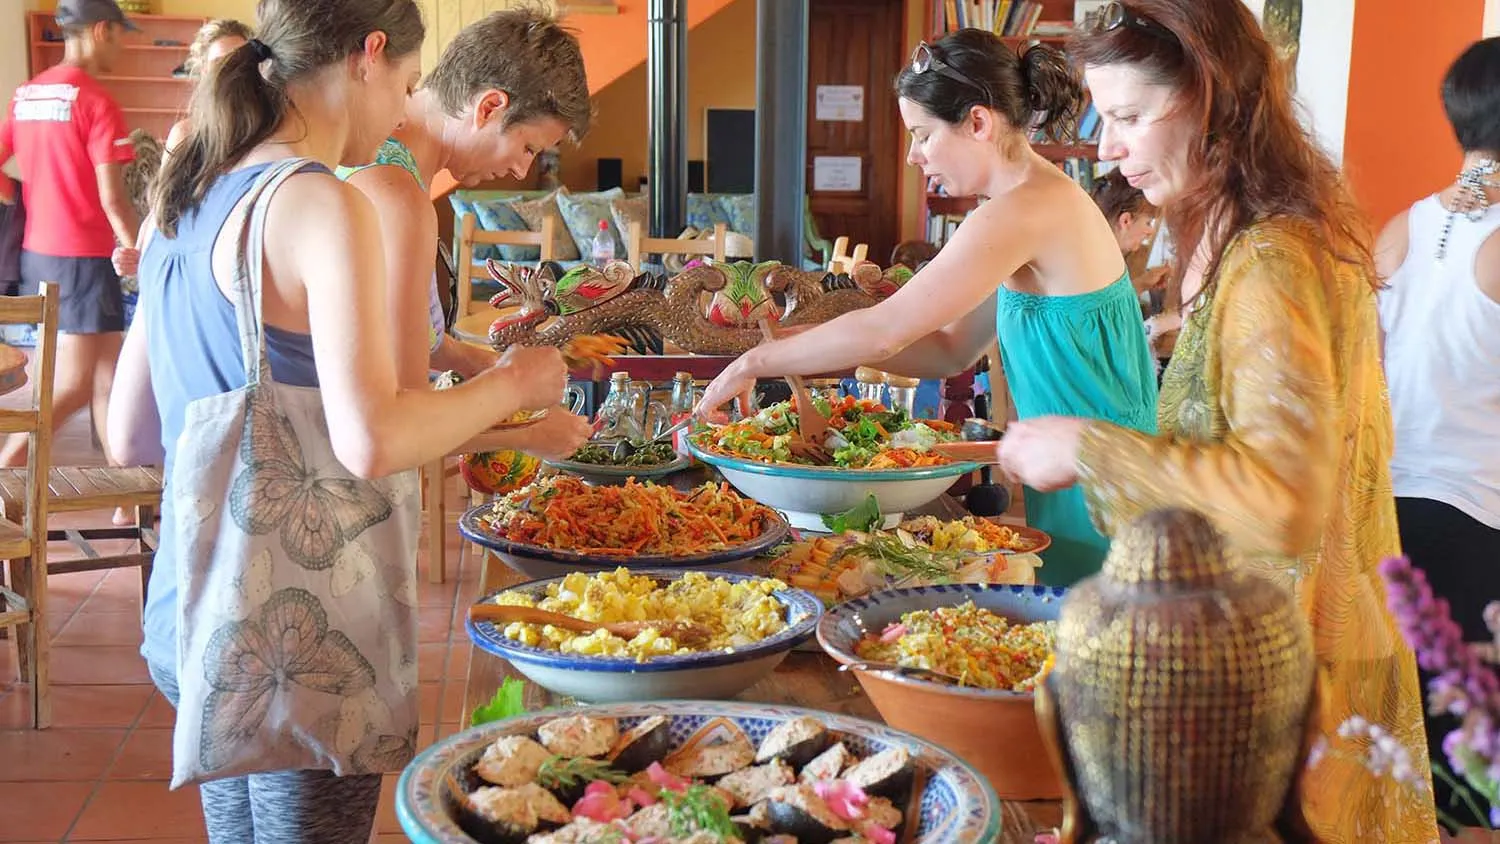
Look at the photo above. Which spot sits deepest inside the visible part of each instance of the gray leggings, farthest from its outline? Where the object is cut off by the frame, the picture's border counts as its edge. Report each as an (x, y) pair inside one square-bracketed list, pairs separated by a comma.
[(283, 807)]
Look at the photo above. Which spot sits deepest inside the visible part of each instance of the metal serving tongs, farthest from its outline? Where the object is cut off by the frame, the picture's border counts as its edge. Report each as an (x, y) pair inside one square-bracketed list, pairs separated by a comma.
[(624, 448), (903, 671), (812, 428)]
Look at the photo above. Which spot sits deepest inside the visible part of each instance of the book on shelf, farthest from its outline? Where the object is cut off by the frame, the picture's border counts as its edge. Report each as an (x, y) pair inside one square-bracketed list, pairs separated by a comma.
[(1007, 18)]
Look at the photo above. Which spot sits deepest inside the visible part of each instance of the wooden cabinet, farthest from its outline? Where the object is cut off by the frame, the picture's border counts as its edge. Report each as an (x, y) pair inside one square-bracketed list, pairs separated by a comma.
[(142, 80)]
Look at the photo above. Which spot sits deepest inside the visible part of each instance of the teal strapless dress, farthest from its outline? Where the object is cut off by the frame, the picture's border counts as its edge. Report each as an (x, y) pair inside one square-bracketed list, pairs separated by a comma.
[(1083, 356)]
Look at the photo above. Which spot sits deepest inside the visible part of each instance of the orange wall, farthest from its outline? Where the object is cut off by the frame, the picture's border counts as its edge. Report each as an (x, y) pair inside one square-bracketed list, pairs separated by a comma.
[(721, 74), (1398, 146)]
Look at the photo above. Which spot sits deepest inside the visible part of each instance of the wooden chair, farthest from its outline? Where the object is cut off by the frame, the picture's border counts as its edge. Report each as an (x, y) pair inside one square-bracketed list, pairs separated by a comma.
[(638, 246), (84, 489), (842, 261), (24, 546), (471, 324)]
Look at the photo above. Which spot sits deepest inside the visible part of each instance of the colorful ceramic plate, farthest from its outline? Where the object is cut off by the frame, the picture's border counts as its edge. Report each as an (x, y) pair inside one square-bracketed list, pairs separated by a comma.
[(955, 805)]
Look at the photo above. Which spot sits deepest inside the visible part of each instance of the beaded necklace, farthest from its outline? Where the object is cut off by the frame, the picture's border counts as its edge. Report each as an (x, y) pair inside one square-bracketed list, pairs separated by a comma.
[(1472, 199)]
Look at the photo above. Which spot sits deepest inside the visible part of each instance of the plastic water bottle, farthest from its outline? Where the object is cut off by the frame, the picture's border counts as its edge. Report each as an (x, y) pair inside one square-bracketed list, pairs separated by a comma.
[(604, 245)]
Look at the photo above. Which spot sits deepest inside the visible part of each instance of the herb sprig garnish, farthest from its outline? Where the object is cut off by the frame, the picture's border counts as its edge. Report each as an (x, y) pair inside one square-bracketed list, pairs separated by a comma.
[(896, 559), (565, 772), (699, 809)]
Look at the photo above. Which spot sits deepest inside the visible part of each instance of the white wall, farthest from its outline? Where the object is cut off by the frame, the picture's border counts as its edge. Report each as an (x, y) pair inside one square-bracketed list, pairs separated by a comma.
[(1491, 18), (1323, 67), (13, 51)]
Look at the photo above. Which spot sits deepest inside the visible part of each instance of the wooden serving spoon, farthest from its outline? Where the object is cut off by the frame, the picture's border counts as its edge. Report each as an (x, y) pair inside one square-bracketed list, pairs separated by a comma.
[(812, 428), (687, 633)]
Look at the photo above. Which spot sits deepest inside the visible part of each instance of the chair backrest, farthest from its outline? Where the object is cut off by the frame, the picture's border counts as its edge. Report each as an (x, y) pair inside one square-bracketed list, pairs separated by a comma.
[(842, 263), (638, 246), (36, 419), (467, 268)]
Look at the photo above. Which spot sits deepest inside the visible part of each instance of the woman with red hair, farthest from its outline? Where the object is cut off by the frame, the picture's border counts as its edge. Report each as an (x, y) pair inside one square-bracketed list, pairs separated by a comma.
[(1272, 416)]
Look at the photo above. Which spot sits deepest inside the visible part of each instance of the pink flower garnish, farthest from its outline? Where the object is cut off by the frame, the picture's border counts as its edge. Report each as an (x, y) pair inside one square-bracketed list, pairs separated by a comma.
[(878, 834), (844, 798), (666, 779), (601, 803), (892, 632)]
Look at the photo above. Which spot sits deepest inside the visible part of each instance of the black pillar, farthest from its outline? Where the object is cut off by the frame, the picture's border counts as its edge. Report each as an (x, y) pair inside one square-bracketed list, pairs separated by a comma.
[(666, 137), (780, 129)]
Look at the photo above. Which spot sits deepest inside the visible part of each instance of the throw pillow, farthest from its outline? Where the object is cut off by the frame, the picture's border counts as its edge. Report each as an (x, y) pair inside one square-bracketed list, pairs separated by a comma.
[(583, 212), (533, 211)]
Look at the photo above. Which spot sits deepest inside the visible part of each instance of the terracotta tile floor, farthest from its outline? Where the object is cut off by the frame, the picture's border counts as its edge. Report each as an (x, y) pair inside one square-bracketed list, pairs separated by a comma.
[(100, 772)]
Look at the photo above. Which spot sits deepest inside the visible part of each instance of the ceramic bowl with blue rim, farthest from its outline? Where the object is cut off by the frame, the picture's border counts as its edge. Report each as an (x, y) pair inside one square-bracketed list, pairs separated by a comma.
[(952, 805), (713, 675), (804, 494), (536, 561), (994, 729)]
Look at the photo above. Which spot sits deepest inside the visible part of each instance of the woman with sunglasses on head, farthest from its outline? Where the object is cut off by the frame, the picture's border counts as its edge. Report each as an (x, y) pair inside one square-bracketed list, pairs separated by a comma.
[(290, 704), (506, 88), (1273, 419), (1036, 264)]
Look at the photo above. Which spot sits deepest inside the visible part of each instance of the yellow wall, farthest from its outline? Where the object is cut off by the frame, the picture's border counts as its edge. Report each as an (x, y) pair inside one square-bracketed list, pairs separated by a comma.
[(721, 74), (13, 51)]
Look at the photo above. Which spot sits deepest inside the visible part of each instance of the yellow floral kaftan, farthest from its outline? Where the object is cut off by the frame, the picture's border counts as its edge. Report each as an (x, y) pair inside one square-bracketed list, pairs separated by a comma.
[(1275, 424)]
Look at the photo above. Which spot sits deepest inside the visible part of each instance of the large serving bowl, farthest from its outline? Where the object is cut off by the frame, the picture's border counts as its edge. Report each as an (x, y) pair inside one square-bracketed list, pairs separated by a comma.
[(995, 731), (536, 561), (804, 494), (710, 675), (954, 805)]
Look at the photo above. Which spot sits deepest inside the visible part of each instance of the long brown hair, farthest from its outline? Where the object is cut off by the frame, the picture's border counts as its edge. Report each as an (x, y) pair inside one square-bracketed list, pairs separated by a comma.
[(237, 106), (1254, 159)]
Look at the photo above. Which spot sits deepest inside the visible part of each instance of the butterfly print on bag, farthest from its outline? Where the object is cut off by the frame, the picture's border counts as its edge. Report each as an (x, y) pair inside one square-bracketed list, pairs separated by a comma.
[(316, 515), (248, 663)]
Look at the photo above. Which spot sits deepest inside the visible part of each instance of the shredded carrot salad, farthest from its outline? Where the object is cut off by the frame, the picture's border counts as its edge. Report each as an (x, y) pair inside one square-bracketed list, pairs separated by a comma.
[(564, 513)]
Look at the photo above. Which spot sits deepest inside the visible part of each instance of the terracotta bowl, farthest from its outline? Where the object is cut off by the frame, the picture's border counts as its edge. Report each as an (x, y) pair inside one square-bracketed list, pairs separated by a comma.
[(995, 731)]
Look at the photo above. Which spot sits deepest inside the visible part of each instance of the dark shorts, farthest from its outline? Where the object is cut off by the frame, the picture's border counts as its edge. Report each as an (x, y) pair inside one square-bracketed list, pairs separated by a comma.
[(89, 297)]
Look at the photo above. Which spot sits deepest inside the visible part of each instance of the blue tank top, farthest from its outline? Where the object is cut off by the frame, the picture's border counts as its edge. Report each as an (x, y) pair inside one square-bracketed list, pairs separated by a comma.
[(193, 347), (1083, 356)]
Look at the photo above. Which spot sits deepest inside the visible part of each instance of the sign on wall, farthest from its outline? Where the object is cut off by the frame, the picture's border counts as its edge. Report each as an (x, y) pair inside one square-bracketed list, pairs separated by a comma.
[(840, 103)]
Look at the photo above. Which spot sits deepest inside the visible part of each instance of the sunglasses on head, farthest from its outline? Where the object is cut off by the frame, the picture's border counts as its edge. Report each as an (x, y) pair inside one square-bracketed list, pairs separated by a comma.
[(922, 60), (1113, 15)]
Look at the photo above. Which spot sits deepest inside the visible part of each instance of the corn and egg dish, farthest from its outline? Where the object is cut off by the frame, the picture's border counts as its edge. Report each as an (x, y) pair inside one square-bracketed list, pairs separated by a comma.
[(737, 613), (982, 649)]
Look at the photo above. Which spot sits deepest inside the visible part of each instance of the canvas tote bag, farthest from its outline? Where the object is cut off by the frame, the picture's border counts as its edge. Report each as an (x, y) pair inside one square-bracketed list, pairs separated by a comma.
[(297, 629)]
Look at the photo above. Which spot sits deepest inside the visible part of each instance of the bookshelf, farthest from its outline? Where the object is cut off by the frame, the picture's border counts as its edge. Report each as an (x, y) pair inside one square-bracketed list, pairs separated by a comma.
[(142, 81), (1020, 23)]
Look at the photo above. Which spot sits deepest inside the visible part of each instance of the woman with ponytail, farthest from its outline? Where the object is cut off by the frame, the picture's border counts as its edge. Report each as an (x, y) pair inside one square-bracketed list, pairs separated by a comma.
[(281, 615), (1036, 264)]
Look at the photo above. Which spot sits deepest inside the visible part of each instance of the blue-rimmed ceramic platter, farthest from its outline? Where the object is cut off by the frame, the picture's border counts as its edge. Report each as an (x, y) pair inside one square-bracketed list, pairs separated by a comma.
[(711, 675), (951, 803)]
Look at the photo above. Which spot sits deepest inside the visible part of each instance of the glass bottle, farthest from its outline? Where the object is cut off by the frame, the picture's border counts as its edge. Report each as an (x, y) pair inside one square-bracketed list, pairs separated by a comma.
[(613, 419)]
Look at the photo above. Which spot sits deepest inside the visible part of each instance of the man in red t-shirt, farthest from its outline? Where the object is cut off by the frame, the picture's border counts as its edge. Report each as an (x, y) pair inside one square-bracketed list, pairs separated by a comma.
[(69, 138)]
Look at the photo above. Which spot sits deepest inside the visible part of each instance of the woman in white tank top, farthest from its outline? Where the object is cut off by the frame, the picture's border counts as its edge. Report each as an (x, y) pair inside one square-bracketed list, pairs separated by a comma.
[(1441, 320)]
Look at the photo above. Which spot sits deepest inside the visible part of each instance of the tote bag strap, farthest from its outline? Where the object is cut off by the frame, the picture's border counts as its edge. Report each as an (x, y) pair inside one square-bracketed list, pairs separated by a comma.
[(250, 268)]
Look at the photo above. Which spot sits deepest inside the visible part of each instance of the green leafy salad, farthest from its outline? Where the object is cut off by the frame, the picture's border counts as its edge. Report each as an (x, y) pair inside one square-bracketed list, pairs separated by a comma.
[(861, 435)]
